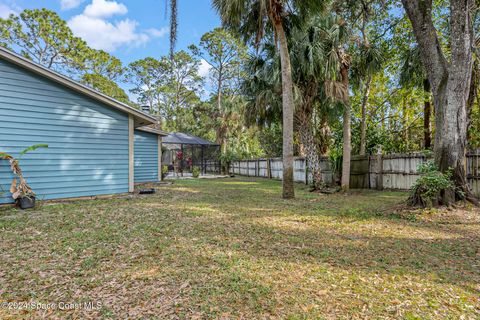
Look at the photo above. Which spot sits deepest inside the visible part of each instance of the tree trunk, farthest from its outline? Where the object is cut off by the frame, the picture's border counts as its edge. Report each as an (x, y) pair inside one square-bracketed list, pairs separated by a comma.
[(405, 123), (363, 123), (427, 111), (347, 148), (221, 138), (222, 133), (312, 154), (472, 96), (450, 86), (451, 126), (288, 109), (224, 151)]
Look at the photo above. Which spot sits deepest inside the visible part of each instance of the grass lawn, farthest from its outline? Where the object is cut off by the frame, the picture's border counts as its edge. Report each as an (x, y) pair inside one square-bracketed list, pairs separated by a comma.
[(231, 248)]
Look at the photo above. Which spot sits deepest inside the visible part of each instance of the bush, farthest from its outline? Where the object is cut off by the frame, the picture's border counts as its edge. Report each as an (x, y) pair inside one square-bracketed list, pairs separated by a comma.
[(195, 172), (164, 171), (427, 189)]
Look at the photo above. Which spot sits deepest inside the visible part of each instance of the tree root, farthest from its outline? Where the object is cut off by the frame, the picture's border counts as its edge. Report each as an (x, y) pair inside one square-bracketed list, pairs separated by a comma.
[(460, 194)]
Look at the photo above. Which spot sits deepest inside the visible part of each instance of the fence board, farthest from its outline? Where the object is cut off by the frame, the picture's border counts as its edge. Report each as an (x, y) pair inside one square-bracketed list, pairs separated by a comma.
[(397, 172)]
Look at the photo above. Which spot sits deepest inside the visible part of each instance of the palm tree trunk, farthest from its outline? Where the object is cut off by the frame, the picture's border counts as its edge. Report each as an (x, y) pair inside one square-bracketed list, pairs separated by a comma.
[(347, 148), (312, 154), (173, 26), (363, 123), (288, 109)]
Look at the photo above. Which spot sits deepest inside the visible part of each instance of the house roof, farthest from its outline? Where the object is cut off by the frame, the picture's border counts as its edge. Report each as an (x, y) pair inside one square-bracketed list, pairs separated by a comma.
[(141, 118), (184, 138), (153, 130)]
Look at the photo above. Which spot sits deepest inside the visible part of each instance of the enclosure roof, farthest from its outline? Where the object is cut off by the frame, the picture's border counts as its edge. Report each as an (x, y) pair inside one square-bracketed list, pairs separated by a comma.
[(141, 118), (184, 138)]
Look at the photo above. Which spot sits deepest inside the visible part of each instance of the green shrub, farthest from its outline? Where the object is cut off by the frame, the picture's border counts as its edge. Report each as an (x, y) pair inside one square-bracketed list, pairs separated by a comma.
[(164, 171), (427, 189), (195, 172)]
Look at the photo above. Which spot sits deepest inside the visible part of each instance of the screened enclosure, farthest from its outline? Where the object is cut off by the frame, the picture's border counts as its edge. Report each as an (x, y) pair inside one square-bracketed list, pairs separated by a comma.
[(183, 152)]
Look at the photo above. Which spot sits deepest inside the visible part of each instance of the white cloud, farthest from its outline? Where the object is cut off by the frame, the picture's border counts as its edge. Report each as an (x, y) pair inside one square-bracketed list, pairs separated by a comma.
[(100, 33), (204, 68), (104, 9), (69, 4), (158, 33), (6, 11)]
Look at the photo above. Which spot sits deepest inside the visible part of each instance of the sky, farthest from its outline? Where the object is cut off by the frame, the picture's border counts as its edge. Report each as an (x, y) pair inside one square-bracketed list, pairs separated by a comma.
[(128, 29)]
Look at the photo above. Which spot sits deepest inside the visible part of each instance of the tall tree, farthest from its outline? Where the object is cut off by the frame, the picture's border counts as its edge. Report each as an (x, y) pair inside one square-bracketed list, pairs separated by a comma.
[(414, 74), (106, 86), (183, 87), (169, 86), (173, 26), (311, 44), (450, 82), (253, 18), (148, 77), (225, 55), (338, 61), (367, 58), (42, 36), (102, 63)]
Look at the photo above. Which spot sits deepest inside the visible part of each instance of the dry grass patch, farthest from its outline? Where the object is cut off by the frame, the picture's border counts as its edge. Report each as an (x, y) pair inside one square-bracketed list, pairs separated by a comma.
[(231, 248)]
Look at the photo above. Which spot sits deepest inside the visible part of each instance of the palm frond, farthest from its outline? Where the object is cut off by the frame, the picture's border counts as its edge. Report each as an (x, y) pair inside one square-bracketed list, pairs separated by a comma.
[(33, 148), (412, 72)]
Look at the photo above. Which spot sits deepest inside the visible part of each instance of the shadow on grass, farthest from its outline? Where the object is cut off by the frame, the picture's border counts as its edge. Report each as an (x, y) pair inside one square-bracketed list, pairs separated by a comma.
[(236, 245), (447, 254)]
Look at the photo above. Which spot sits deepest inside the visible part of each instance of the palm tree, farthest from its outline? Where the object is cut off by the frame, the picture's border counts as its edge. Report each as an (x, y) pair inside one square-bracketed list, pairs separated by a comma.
[(263, 89), (309, 57), (253, 18), (336, 35), (366, 64), (413, 73), (173, 25), (312, 107), (368, 58)]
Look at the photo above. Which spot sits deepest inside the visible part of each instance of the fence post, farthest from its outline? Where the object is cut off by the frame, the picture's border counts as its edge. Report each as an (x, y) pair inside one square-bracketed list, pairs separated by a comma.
[(257, 168), (269, 169), (306, 171), (379, 169)]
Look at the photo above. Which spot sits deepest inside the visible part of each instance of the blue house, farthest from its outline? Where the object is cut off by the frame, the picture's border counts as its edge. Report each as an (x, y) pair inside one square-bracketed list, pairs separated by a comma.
[(97, 145), (147, 155)]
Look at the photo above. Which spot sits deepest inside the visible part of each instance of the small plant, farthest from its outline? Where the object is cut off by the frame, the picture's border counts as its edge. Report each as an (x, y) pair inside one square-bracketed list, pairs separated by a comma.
[(20, 190), (195, 172), (164, 171), (225, 160), (427, 189), (335, 159)]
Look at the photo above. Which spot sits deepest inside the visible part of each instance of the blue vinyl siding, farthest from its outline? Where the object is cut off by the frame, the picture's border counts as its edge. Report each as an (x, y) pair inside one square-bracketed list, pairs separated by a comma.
[(146, 156), (88, 141)]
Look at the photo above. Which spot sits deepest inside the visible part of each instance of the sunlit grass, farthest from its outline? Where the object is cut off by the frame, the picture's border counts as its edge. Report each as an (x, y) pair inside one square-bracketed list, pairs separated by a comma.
[(233, 248)]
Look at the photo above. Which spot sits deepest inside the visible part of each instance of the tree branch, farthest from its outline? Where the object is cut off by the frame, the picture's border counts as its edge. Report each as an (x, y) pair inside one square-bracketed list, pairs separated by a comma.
[(420, 14)]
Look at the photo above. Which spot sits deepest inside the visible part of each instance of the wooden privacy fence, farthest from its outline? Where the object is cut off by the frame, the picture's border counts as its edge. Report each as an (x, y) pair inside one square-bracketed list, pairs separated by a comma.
[(393, 171), (212, 166), (272, 168)]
